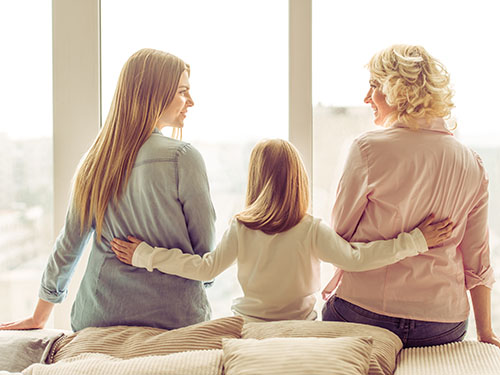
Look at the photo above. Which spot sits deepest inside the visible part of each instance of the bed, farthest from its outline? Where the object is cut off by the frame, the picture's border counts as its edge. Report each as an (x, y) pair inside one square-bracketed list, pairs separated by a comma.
[(232, 346)]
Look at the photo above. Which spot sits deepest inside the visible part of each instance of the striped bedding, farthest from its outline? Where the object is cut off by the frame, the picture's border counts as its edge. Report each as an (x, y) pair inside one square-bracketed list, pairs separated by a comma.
[(464, 358), (201, 362)]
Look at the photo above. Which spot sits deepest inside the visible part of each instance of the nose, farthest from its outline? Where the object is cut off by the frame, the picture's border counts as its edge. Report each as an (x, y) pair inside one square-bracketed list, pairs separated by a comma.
[(190, 101), (368, 96)]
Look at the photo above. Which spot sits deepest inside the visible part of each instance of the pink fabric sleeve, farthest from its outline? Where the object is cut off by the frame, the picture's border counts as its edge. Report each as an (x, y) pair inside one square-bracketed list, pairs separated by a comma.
[(475, 243), (352, 198), (352, 194)]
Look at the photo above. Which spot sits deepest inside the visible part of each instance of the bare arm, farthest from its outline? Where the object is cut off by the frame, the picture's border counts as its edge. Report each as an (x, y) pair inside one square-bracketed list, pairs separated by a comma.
[(481, 302), (36, 321)]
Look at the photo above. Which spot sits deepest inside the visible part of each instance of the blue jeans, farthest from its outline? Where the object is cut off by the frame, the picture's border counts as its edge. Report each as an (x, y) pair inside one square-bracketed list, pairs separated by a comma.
[(412, 333)]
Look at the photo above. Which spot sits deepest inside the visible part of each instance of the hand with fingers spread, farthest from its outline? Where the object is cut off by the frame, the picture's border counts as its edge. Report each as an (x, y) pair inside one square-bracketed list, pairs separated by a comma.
[(124, 250), (436, 233)]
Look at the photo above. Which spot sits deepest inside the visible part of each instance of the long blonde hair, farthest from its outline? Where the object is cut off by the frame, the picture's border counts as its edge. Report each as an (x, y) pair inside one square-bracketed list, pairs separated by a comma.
[(414, 82), (278, 188), (147, 85)]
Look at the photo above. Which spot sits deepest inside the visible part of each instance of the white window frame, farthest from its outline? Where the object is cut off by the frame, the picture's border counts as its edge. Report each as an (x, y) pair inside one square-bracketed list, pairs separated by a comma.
[(76, 108), (300, 125)]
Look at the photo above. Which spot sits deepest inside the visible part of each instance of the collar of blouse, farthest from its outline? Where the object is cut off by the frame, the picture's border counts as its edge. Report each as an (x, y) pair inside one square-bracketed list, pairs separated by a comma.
[(433, 124)]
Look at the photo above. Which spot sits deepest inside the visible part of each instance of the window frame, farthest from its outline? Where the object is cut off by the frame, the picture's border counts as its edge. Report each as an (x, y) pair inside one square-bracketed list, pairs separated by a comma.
[(76, 109)]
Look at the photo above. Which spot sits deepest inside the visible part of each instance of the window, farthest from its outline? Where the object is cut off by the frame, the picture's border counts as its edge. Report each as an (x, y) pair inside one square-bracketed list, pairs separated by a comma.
[(238, 53), (347, 34), (26, 192)]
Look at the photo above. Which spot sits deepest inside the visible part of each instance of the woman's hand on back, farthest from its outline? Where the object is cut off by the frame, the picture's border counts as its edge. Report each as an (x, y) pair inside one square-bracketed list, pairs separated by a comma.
[(124, 250), (436, 233)]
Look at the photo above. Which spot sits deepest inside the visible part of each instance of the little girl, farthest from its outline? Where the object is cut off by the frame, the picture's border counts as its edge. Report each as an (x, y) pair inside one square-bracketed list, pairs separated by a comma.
[(277, 245)]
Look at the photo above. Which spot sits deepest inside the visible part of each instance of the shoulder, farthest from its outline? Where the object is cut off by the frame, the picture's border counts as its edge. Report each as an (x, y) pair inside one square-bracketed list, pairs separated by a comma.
[(307, 226), (160, 144), (362, 143), (161, 148), (467, 158), (317, 224), (376, 137), (309, 220), (478, 163)]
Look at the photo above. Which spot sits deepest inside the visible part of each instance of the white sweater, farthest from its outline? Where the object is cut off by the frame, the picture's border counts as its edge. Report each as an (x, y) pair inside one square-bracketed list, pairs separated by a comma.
[(280, 273)]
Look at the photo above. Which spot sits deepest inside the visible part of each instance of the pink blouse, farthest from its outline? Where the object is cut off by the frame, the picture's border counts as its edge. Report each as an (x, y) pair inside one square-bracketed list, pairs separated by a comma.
[(392, 180)]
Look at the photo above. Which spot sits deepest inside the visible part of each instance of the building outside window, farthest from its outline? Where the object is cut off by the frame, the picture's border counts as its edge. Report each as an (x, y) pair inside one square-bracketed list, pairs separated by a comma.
[(26, 191)]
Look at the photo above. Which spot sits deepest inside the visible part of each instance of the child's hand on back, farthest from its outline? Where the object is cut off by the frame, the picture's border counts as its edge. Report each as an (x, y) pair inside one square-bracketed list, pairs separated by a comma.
[(435, 233), (124, 250)]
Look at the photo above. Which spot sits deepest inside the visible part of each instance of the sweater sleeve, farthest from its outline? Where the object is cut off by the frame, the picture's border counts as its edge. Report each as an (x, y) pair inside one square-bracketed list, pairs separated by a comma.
[(191, 266), (358, 256)]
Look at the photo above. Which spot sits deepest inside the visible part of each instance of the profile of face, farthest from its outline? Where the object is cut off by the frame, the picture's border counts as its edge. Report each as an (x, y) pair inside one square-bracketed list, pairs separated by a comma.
[(376, 98), (176, 111)]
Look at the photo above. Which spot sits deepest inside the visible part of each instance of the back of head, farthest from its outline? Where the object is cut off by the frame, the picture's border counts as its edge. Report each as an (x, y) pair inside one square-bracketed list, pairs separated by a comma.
[(414, 82), (278, 188), (146, 86)]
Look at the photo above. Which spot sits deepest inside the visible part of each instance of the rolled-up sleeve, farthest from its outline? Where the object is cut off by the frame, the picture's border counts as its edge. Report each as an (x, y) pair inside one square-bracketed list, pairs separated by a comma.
[(61, 265), (475, 243)]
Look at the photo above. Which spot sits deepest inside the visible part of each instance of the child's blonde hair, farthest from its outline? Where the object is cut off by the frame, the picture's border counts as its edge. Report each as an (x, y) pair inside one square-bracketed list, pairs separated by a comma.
[(414, 82), (278, 188)]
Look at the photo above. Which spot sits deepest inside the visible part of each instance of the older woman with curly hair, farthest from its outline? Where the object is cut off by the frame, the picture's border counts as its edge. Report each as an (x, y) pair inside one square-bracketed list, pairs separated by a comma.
[(395, 177)]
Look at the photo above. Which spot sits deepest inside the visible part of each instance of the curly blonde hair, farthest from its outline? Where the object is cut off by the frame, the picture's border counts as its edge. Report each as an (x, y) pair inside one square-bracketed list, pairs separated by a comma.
[(416, 84)]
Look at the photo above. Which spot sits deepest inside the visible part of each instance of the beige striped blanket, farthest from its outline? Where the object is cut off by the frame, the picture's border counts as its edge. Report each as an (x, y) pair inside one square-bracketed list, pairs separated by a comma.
[(201, 362), (463, 358)]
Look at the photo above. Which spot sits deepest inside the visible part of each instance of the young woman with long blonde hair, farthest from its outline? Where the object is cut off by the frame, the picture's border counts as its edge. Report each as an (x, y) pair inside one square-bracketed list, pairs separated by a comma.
[(277, 245), (134, 180)]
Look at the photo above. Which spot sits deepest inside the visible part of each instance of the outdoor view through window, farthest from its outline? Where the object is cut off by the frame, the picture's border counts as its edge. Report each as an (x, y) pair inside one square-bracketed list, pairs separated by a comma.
[(26, 192)]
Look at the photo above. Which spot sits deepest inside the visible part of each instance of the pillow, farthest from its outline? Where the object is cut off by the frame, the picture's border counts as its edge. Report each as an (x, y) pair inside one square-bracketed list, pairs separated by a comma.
[(128, 342), (203, 362), (386, 345), (290, 356), (19, 349)]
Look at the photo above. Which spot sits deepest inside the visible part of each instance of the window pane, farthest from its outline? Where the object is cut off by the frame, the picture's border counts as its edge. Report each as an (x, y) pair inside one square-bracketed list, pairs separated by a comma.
[(238, 53), (345, 36), (26, 192)]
